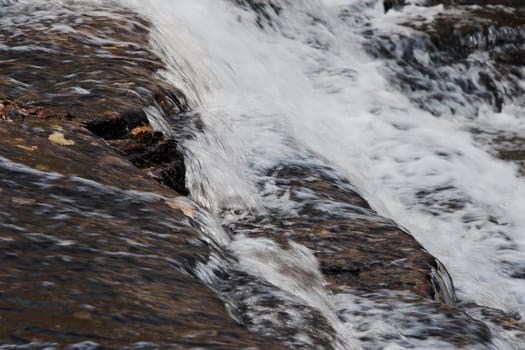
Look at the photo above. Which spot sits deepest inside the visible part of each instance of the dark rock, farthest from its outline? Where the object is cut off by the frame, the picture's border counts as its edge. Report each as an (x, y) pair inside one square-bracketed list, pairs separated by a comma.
[(365, 254), (392, 4), (264, 10), (114, 125), (161, 151), (109, 126), (171, 101), (134, 118), (118, 71), (173, 175)]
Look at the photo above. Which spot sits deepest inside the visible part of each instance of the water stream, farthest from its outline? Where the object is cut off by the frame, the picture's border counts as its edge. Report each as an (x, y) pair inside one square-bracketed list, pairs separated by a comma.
[(299, 87), (296, 117)]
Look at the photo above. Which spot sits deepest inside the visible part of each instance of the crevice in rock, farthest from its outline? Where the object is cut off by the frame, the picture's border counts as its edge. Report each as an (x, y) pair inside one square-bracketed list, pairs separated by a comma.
[(132, 136)]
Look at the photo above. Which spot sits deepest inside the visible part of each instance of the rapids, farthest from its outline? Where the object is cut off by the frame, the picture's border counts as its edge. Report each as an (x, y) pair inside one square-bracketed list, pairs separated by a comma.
[(297, 112), (299, 85)]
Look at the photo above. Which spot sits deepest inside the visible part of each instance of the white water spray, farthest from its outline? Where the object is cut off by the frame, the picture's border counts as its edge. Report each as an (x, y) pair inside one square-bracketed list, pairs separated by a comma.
[(308, 88)]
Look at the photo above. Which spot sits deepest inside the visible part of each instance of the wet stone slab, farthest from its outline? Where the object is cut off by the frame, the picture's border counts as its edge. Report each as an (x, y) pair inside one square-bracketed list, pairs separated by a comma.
[(369, 256), (57, 56), (354, 245), (464, 61), (93, 250)]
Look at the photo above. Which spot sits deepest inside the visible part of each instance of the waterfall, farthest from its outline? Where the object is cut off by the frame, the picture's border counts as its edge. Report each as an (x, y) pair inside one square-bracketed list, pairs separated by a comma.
[(318, 119)]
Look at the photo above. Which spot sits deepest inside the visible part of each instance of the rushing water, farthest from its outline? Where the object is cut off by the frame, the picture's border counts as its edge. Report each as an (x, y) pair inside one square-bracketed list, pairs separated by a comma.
[(299, 86), (294, 87)]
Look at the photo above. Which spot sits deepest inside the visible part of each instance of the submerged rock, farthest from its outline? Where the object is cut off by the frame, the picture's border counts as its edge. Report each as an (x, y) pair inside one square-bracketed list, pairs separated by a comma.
[(131, 134), (264, 10), (482, 39), (393, 4), (465, 60), (361, 253), (515, 3)]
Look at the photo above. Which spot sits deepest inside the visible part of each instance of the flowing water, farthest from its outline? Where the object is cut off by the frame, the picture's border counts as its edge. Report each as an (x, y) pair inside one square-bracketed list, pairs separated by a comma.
[(293, 86), (303, 89)]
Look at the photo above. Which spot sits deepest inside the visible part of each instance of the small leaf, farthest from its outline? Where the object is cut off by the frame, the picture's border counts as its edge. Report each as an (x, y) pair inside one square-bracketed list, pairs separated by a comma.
[(41, 167), (23, 201), (59, 139), (186, 209), (141, 130)]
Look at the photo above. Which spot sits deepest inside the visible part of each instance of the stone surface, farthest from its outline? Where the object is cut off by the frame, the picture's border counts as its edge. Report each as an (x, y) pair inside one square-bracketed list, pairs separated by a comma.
[(366, 255), (93, 253), (483, 41), (75, 63), (96, 254), (90, 250), (467, 58)]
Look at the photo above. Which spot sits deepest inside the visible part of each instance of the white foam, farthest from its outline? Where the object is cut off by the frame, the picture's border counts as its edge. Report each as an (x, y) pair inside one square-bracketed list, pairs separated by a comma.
[(308, 88)]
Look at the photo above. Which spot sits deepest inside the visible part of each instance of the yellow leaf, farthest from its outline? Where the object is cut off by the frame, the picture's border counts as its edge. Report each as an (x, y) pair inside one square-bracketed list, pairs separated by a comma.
[(141, 129), (186, 209), (58, 138)]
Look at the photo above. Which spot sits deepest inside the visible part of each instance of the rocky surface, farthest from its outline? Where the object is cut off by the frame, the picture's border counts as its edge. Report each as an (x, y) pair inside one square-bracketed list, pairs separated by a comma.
[(482, 42), (94, 250), (56, 58), (131, 135), (353, 243), (264, 10), (465, 58), (370, 256), (94, 254)]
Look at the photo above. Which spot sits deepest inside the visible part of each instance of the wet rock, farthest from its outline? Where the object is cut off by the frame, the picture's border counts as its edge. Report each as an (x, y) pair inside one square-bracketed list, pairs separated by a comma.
[(114, 125), (91, 251), (84, 225), (132, 136), (113, 69), (392, 4), (104, 59), (447, 325), (87, 345), (94, 251), (264, 10), (481, 39), (467, 56), (352, 243), (171, 100), (498, 319), (265, 309), (514, 3), (364, 254), (476, 29)]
